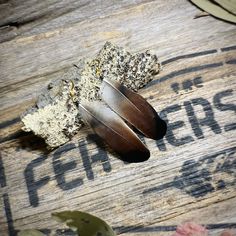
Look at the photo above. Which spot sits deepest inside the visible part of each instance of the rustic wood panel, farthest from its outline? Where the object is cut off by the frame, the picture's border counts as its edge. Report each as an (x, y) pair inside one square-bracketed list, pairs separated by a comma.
[(191, 173)]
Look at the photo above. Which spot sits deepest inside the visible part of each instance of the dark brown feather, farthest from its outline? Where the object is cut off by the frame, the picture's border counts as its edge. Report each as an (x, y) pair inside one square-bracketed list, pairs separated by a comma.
[(133, 108), (110, 127)]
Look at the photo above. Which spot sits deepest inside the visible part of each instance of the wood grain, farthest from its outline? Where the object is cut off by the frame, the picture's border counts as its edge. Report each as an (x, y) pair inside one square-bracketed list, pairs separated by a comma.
[(190, 175)]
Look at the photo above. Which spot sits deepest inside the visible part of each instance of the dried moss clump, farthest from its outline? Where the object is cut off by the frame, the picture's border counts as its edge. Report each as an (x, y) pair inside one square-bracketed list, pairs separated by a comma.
[(132, 70), (56, 118)]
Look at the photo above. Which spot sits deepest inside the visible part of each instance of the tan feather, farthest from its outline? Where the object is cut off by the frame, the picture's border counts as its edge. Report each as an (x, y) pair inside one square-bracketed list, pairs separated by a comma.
[(110, 127), (133, 108)]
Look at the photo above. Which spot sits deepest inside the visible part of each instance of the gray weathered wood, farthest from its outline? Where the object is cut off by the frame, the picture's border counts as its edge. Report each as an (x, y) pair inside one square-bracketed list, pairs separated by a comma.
[(193, 181)]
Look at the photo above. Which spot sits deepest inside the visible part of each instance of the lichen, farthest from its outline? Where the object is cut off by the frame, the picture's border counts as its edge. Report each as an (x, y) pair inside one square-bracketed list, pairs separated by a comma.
[(56, 121), (133, 71), (55, 117)]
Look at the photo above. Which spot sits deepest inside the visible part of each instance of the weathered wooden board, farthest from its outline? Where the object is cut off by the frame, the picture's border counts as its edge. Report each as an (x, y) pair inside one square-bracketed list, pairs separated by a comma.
[(191, 174)]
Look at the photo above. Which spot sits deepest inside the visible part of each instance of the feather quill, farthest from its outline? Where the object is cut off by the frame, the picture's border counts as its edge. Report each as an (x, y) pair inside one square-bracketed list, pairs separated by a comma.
[(110, 127), (133, 108)]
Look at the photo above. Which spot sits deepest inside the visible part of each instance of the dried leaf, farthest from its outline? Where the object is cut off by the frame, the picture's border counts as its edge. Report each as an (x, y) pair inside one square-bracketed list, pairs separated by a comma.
[(229, 5), (216, 10), (84, 224)]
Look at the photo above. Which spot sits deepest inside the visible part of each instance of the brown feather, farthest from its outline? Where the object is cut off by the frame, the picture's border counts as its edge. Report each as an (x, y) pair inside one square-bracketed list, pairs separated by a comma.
[(133, 108), (110, 127)]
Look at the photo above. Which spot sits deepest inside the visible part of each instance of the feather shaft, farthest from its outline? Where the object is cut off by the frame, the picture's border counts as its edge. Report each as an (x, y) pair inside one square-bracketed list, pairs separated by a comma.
[(133, 108)]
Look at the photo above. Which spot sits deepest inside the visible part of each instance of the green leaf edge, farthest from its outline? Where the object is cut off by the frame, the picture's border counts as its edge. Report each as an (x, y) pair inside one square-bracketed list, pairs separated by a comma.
[(215, 10), (58, 216), (30, 232), (228, 5)]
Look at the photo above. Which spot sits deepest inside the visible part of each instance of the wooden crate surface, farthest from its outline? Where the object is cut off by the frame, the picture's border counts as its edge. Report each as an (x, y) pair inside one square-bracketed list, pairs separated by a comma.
[(191, 175)]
